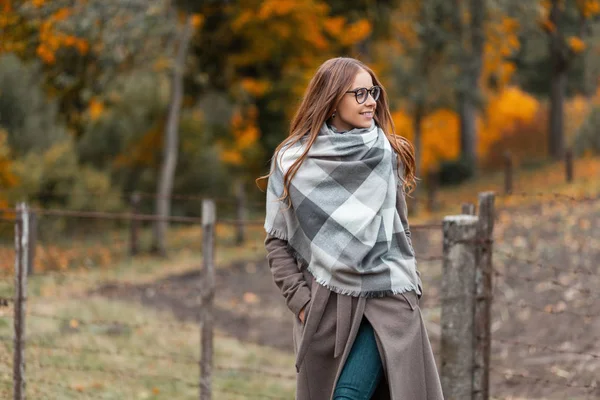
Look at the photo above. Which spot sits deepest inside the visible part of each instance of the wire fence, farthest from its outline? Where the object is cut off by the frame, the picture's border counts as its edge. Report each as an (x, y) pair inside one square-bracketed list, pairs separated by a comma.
[(46, 353)]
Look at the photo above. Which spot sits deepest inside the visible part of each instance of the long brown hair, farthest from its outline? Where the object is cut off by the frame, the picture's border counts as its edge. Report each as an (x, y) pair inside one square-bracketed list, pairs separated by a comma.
[(325, 90)]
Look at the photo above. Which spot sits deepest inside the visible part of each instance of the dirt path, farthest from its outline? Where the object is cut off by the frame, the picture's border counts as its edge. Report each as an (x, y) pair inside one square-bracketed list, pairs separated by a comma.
[(248, 304)]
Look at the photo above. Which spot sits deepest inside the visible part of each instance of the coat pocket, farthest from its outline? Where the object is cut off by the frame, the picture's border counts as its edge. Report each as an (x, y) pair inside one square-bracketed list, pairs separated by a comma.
[(411, 298)]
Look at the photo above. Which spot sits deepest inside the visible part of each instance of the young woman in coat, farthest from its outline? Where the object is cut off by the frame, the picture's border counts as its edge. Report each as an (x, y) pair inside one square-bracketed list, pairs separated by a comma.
[(339, 248)]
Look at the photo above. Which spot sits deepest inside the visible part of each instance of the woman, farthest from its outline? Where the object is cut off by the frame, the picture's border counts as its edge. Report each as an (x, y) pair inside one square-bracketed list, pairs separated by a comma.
[(339, 248)]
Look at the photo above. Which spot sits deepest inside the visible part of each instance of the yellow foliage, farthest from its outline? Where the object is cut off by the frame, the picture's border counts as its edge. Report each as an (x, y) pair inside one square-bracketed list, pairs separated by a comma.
[(356, 32), (256, 88), (46, 54), (589, 8), (576, 44), (61, 14), (7, 177), (197, 20), (502, 41), (231, 157), (439, 135), (244, 127), (548, 25), (440, 129), (95, 109)]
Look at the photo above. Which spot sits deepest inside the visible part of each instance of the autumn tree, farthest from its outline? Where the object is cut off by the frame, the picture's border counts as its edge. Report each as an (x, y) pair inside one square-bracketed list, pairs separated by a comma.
[(565, 42)]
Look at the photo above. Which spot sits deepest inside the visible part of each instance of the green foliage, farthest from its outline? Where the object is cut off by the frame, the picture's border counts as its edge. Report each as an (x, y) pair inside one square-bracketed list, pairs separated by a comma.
[(454, 172), (30, 119), (54, 178), (135, 103)]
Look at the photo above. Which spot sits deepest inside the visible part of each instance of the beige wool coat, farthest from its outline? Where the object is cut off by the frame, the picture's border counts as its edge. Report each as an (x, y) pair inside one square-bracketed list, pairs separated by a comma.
[(322, 343)]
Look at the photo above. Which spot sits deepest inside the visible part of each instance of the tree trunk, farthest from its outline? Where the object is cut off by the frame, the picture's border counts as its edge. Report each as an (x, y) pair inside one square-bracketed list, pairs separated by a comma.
[(558, 85), (418, 130), (471, 61), (469, 107), (171, 144), (556, 145)]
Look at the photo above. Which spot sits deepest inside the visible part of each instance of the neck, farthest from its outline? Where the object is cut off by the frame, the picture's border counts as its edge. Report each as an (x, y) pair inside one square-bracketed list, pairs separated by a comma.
[(339, 125)]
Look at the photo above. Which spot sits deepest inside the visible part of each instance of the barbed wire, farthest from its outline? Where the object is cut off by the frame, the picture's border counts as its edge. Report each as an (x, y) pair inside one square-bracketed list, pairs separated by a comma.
[(578, 270), (545, 348), (54, 194), (550, 194), (550, 309), (106, 215), (536, 379), (429, 258), (554, 282)]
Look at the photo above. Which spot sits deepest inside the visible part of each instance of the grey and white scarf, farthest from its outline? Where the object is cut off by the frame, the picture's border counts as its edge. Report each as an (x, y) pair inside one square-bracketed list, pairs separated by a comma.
[(343, 222)]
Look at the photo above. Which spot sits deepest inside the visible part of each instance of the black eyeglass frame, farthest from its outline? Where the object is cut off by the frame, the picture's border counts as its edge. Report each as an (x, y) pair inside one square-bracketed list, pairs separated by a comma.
[(369, 92)]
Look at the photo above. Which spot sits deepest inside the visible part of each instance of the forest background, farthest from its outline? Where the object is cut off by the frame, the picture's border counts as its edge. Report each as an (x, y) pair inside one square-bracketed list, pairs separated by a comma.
[(99, 99)]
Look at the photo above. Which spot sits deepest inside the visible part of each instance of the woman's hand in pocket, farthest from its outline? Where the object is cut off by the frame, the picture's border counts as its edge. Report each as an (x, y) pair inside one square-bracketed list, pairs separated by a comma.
[(301, 314)]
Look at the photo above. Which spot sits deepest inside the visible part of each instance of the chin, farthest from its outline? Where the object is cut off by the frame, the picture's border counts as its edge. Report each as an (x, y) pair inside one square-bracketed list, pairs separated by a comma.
[(363, 124)]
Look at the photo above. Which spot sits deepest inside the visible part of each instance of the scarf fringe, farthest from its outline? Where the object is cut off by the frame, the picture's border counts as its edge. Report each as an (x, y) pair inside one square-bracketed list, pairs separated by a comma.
[(358, 293), (278, 233), (346, 292)]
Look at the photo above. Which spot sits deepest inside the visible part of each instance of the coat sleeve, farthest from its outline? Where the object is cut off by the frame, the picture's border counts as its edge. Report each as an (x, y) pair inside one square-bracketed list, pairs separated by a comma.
[(403, 213), (286, 275)]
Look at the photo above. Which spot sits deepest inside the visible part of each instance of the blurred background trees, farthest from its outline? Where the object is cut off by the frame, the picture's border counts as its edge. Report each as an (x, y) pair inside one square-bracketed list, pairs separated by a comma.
[(88, 88)]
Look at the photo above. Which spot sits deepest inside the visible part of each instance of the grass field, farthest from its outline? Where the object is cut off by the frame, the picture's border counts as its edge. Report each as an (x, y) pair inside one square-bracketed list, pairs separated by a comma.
[(83, 345), (86, 345)]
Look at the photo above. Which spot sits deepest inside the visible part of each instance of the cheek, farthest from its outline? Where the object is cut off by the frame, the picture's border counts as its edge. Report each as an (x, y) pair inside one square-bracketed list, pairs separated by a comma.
[(346, 108)]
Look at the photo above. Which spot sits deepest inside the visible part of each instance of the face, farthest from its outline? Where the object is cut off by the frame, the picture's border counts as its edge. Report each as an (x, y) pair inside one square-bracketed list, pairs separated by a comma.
[(349, 114)]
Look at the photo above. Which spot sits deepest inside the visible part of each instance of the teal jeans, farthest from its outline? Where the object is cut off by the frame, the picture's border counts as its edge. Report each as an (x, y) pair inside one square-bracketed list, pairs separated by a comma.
[(363, 369)]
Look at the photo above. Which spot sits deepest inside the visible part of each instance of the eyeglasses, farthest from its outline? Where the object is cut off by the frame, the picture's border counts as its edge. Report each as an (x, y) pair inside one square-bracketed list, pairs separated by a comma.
[(361, 94)]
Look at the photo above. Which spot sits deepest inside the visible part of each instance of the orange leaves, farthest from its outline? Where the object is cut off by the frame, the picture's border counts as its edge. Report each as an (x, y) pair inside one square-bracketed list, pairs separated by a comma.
[(255, 87), (588, 8), (52, 39), (548, 26), (439, 135), (197, 20), (440, 129), (576, 44), (502, 41), (95, 109), (244, 127), (356, 32), (7, 177), (61, 14)]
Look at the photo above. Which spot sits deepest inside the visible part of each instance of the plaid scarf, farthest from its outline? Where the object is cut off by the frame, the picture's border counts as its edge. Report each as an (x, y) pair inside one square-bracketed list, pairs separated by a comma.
[(343, 223)]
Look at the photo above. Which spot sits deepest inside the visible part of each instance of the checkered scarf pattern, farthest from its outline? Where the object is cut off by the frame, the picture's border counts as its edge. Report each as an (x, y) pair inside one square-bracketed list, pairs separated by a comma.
[(343, 222)]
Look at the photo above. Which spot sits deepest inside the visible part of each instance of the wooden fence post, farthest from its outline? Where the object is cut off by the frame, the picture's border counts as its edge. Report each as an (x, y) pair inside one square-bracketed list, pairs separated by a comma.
[(206, 340), (483, 297), (134, 244), (468, 209), (458, 297), (569, 165), (21, 263), (32, 244), (508, 173), (432, 187), (241, 213)]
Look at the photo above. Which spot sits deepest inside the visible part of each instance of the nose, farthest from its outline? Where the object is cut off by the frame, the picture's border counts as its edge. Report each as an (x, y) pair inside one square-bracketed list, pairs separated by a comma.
[(370, 100)]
